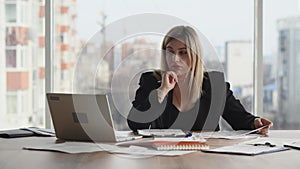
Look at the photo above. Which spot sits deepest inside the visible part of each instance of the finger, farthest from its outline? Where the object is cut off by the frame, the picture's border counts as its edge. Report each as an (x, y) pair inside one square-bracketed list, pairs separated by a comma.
[(263, 131), (174, 77), (266, 134), (173, 74), (173, 80), (260, 122), (271, 125), (267, 122), (168, 77)]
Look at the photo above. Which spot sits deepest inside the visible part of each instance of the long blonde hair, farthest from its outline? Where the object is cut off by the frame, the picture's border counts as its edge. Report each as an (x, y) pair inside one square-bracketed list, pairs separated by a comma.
[(190, 38)]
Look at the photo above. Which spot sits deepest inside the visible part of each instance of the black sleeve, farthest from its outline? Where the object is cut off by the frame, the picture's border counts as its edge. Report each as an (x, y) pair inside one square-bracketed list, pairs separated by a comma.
[(235, 114), (146, 109)]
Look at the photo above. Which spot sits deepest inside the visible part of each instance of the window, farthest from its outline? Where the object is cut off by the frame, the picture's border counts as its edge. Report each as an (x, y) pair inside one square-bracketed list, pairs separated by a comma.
[(11, 36), (11, 105), (23, 67), (232, 39), (281, 63), (11, 13), (228, 25), (11, 58)]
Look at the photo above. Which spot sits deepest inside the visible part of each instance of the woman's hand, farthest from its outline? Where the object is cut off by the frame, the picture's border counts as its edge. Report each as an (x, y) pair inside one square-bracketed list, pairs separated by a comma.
[(259, 122), (168, 82), (169, 79)]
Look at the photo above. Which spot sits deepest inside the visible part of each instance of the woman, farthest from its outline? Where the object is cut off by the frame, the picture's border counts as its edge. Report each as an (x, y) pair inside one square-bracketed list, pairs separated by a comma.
[(182, 95)]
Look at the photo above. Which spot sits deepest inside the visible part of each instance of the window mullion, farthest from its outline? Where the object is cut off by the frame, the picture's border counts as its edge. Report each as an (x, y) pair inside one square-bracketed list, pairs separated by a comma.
[(258, 58), (48, 55)]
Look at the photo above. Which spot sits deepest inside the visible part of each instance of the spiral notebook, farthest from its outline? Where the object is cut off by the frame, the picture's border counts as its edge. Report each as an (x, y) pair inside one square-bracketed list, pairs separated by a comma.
[(182, 145)]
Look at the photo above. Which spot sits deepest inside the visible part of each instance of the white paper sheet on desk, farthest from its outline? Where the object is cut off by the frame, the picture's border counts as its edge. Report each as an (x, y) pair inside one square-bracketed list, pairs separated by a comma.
[(162, 132), (232, 134), (82, 147), (137, 150), (68, 147), (275, 141), (246, 149)]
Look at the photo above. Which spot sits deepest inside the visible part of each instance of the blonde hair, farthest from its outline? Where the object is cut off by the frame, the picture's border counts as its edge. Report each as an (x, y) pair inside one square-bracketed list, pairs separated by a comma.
[(190, 38)]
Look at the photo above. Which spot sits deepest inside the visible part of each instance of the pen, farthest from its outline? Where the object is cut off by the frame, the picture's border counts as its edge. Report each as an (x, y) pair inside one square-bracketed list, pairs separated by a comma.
[(149, 129), (188, 134)]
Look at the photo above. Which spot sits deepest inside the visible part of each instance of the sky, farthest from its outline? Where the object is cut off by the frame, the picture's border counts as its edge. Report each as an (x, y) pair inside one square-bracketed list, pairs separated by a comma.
[(218, 20)]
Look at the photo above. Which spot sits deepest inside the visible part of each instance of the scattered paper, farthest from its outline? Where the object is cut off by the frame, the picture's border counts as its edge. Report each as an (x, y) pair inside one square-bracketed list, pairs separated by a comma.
[(178, 139), (137, 150), (68, 147), (275, 141), (232, 134), (162, 132), (246, 149), (256, 146), (126, 136), (83, 147)]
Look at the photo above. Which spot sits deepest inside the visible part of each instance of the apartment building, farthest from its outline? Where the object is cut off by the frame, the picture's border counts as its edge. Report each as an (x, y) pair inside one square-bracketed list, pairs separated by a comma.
[(22, 47)]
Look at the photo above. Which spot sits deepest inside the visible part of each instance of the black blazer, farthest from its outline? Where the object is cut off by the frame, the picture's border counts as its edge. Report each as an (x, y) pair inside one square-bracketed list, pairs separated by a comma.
[(216, 100)]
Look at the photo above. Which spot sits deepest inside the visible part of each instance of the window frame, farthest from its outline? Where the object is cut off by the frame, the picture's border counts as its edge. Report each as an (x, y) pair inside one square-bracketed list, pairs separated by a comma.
[(16, 12)]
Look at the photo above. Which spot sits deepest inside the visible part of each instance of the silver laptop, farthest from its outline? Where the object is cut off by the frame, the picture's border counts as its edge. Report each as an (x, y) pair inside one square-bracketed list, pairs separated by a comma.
[(83, 117)]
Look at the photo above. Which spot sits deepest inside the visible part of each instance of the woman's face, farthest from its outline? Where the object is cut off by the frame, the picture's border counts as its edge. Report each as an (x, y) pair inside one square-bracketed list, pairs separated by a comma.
[(177, 57)]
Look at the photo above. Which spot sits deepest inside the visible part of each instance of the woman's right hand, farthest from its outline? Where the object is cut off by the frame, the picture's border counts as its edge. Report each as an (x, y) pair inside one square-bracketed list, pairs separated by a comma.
[(168, 81)]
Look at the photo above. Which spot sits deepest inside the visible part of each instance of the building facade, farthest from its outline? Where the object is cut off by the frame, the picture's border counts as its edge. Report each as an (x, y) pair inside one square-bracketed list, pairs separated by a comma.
[(288, 72), (22, 55)]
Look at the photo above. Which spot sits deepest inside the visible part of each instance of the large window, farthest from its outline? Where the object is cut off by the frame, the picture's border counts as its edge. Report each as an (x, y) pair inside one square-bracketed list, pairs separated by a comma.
[(22, 65), (75, 28), (228, 25), (281, 63)]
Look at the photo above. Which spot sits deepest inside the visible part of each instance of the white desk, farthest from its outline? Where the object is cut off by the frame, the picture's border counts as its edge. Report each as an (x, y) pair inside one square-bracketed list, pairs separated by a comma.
[(12, 156)]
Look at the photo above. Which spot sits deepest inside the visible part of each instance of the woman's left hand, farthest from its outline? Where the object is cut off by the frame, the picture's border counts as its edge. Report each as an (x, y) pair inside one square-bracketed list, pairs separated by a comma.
[(259, 122)]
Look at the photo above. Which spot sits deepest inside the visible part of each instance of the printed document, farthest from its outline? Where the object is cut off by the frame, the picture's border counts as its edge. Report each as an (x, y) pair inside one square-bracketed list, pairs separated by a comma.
[(83, 147), (232, 134)]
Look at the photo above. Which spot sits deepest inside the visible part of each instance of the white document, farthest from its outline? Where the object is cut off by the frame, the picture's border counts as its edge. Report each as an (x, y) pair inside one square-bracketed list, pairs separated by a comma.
[(178, 139), (232, 134), (142, 151), (126, 136), (83, 147), (275, 141), (68, 147), (162, 132), (246, 149), (256, 146)]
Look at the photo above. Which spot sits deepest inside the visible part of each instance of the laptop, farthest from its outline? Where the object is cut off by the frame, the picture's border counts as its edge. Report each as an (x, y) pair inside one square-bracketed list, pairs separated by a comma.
[(83, 117)]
